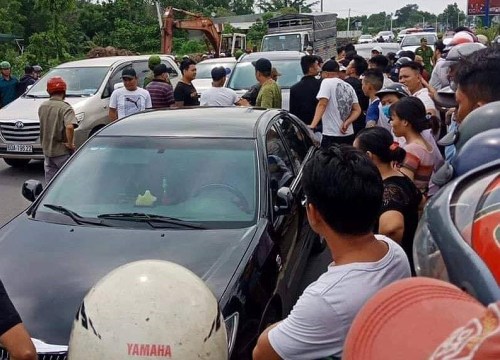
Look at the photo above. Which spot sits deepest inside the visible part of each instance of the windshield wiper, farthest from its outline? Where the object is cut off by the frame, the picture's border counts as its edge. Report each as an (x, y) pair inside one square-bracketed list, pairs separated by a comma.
[(156, 221), (74, 216), (35, 96)]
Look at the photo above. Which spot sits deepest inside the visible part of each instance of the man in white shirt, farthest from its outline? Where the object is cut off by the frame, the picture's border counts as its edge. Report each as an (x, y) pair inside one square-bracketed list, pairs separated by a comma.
[(410, 75), (129, 99), (337, 108), (218, 95), (343, 191)]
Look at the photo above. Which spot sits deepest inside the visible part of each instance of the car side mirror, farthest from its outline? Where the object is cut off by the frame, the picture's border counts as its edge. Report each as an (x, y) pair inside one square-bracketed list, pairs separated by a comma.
[(31, 189), (284, 201)]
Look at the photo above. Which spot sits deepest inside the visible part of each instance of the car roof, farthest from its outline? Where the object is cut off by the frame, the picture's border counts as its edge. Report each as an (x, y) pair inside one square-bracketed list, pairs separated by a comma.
[(421, 33), (218, 60), (201, 122), (108, 61), (272, 55)]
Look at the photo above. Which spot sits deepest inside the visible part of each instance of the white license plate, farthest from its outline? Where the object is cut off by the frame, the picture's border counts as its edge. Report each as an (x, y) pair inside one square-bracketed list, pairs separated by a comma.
[(20, 148)]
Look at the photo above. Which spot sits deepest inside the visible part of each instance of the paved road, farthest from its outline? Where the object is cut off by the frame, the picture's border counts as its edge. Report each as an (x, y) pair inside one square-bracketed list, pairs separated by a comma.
[(11, 181)]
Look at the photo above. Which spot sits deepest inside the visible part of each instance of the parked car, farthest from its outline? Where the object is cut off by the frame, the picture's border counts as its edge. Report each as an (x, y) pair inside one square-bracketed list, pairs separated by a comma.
[(90, 84), (365, 39), (412, 41), (458, 235), (365, 50), (388, 36), (204, 68), (286, 62), (216, 190)]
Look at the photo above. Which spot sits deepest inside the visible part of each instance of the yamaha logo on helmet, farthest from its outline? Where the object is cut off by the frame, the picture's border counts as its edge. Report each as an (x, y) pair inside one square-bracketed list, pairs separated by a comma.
[(19, 124)]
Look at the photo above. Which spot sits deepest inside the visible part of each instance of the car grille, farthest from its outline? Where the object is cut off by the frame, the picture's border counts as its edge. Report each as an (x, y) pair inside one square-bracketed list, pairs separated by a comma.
[(5, 356), (20, 131)]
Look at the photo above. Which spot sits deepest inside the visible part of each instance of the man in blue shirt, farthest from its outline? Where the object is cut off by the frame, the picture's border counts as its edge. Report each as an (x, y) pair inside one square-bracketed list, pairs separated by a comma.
[(8, 84)]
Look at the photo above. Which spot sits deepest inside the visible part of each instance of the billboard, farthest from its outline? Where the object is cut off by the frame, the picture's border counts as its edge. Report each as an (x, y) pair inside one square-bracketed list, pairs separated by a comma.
[(478, 7)]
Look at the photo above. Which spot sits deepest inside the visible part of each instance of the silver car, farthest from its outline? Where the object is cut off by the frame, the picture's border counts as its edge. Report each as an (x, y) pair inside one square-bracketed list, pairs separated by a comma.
[(286, 62), (90, 84), (204, 68)]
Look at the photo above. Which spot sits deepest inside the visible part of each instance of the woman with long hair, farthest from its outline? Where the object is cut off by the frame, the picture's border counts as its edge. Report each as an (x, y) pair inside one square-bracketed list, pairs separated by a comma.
[(399, 215), (409, 120)]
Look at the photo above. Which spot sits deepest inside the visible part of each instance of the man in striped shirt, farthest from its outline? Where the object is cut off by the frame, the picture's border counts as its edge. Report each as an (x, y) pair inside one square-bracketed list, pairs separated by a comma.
[(162, 94)]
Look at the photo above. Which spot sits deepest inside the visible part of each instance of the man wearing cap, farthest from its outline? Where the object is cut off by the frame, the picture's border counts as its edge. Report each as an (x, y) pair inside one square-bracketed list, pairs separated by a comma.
[(377, 50), (161, 92), (218, 95), (270, 93), (185, 93), (8, 85), (129, 99), (426, 53), (338, 107), (152, 62)]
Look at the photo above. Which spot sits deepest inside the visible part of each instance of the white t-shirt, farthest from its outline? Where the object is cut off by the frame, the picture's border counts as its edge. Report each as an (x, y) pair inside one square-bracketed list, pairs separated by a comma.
[(128, 102), (218, 96), (319, 322), (423, 94), (341, 96)]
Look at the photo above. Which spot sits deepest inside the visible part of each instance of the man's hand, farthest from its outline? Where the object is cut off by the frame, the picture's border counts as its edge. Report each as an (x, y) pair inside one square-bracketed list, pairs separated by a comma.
[(344, 127), (70, 146)]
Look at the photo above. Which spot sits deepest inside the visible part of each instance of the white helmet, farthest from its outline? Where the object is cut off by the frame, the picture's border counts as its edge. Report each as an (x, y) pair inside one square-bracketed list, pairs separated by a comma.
[(149, 309)]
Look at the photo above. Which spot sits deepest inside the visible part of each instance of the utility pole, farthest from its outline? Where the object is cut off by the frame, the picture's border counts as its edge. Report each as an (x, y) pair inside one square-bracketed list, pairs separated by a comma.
[(487, 14), (423, 22), (391, 22), (348, 21), (321, 5)]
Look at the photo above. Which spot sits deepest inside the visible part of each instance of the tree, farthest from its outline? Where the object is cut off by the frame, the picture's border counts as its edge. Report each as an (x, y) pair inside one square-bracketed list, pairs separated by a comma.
[(242, 7), (405, 13), (451, 16), (277, 5)]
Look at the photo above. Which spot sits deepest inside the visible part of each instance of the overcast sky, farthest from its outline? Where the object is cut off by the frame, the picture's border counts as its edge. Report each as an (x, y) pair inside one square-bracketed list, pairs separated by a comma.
[(367, 7)]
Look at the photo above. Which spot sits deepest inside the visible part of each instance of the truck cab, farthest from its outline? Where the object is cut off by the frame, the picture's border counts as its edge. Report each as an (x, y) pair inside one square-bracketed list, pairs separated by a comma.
[(292, 41)]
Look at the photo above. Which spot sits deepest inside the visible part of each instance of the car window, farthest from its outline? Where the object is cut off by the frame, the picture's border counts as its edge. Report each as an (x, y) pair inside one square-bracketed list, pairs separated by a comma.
[(278, 163), (81, 81), (204, 69), (141, 68), (208, 181), (296, 141), (414, 40), (243, 76)]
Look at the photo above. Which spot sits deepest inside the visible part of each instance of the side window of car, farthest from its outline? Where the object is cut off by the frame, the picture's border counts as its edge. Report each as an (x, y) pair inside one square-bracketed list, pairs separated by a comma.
[(278, 163), (172, 73), (141, 68), (296, 141)]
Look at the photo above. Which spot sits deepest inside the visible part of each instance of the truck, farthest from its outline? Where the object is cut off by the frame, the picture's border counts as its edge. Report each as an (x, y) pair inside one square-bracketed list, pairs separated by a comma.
[(300, 31)]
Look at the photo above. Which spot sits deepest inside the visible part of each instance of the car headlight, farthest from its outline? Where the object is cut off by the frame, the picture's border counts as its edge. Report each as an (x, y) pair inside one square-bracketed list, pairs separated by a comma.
[(426, 254), (231, 328), (80, 117)]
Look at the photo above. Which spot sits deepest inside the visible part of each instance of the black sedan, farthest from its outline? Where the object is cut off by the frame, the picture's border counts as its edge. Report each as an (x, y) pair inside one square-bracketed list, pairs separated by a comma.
[(217, 190)]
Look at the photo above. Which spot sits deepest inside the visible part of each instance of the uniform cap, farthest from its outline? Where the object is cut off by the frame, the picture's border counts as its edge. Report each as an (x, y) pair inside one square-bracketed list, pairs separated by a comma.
[(4, 65)]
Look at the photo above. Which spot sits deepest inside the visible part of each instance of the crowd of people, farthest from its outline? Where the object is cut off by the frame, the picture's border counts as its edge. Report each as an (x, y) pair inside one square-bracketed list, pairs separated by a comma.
[(11, 87), (383, 137)]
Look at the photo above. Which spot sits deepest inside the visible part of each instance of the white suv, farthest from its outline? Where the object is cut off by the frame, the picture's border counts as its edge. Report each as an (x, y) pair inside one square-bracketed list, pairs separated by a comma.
[(90, 84), (388, 36)]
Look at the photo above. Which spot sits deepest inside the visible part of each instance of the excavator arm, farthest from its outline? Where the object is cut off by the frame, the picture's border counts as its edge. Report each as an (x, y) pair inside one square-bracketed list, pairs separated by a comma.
[(194, 22)]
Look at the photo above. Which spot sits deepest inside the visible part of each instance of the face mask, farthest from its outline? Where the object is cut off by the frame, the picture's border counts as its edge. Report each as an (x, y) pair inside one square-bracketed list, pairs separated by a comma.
[(386, 109)]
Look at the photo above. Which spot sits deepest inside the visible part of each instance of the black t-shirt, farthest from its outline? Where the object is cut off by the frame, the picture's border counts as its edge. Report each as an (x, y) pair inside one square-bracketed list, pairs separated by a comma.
[(401, 194), (186, 93), (303, 98), (359, 123), (8, 314)]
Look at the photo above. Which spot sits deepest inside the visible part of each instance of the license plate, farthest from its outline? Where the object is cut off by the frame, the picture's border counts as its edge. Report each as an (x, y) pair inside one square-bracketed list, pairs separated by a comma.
[(20, 148)]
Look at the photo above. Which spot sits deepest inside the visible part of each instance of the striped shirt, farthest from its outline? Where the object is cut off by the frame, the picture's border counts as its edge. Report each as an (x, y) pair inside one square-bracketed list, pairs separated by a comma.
[(162, 94), (422, 163)]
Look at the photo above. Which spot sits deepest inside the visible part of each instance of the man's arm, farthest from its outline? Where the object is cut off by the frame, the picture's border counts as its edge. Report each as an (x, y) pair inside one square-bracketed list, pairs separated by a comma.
[(70, 131), (355, 112), (320, 110), (263, 350), (18, 343), (113, 114)]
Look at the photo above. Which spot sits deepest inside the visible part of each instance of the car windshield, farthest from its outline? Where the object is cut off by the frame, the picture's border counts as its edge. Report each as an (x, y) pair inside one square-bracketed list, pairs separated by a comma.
[(243, 76), (414, 40), (211, 182), (204, 69), (80, 81), (289, 42)]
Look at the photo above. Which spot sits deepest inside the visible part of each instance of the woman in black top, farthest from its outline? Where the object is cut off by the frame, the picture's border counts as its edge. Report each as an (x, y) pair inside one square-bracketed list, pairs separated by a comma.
[(399, 215)]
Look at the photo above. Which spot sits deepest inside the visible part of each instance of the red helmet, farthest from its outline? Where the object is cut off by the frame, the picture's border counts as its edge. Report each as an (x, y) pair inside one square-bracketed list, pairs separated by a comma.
[(56, 84)]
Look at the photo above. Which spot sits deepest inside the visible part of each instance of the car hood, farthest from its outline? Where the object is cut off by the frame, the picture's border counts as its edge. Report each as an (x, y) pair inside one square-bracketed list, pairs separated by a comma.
[(25, 108), (48, 268)]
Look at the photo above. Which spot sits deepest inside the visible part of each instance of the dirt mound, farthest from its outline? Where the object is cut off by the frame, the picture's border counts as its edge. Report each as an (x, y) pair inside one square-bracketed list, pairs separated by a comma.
[(108, 51)]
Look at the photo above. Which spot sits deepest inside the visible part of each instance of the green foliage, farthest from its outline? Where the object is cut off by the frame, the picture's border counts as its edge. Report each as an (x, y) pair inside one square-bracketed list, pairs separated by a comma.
[(192, 47), (288, 10), (277, 5)]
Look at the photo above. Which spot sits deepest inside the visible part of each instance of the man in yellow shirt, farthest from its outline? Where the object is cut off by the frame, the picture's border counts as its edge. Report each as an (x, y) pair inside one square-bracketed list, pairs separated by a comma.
[(270, 93)]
